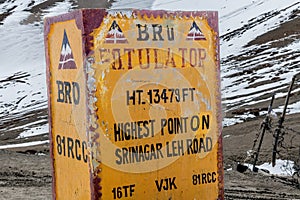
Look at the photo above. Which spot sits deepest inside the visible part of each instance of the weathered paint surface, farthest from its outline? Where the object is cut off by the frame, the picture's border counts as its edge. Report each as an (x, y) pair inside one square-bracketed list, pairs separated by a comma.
[(68, 112), (149, 105), (157, 104)]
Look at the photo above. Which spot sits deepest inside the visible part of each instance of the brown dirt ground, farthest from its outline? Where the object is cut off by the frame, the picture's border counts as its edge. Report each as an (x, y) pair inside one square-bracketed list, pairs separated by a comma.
[(26, 175)]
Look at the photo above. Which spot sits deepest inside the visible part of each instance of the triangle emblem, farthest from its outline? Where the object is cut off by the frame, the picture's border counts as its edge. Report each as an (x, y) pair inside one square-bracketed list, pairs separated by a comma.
[(66, 60), (195, 33), (115, 34)]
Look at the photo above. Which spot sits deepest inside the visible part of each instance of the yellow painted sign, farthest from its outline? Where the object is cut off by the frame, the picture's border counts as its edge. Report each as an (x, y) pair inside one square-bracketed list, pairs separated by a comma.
[(136, 113), (68, 112), (157, 90)]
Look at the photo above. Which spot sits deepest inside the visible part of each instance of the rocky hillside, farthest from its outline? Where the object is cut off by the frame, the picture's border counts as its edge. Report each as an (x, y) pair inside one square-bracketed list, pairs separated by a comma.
[(260, 44)]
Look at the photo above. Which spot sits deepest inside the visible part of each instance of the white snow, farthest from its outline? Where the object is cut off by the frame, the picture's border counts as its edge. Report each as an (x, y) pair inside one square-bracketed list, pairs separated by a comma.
[(291, 109), (115, 32), (195, 31), (138, 4), (40, 130), (282, 167), (231, 121), (27, 144), (22, 50), (66, 50)]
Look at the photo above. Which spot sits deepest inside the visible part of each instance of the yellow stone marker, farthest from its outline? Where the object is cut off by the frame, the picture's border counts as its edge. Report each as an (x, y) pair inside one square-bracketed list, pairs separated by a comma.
[(134, 104)]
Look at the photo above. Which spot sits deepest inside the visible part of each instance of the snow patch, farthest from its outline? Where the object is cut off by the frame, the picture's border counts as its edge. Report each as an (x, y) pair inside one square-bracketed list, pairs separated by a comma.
[(27, 144), (39, 130), (282, 167)]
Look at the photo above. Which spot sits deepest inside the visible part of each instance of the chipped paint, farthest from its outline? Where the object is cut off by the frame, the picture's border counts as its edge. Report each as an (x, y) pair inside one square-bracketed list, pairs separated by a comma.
[(114, 80), (128, 13), (67, 115), (145, 71)]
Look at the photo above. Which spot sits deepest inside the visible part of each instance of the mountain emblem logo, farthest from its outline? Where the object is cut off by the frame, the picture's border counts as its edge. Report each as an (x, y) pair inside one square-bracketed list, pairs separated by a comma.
[(66, 60), (115, 34), (195, 33)]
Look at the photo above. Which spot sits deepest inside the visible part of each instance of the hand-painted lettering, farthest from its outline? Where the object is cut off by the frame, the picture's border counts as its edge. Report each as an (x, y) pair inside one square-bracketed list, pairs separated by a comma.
[(199, 145), (166, 184), (174, 149), (152, 58), (141, 153), (71, 148), (142, 32), (123, 191), (174, 125), (158, 32), (178, 125), (68, 92), (134, 130), (204, 178), (156, 96)]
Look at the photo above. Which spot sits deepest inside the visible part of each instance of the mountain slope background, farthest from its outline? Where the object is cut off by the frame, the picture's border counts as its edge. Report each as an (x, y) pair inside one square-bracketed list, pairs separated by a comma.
[(260, 53)]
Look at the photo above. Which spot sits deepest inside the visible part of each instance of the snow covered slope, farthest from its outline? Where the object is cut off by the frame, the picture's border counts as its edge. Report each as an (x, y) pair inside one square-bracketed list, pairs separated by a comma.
[(23, 98), (260, 52)]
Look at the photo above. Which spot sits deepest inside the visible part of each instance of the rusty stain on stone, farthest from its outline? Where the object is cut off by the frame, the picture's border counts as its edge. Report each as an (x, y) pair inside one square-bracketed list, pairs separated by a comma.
[(113, 71)]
